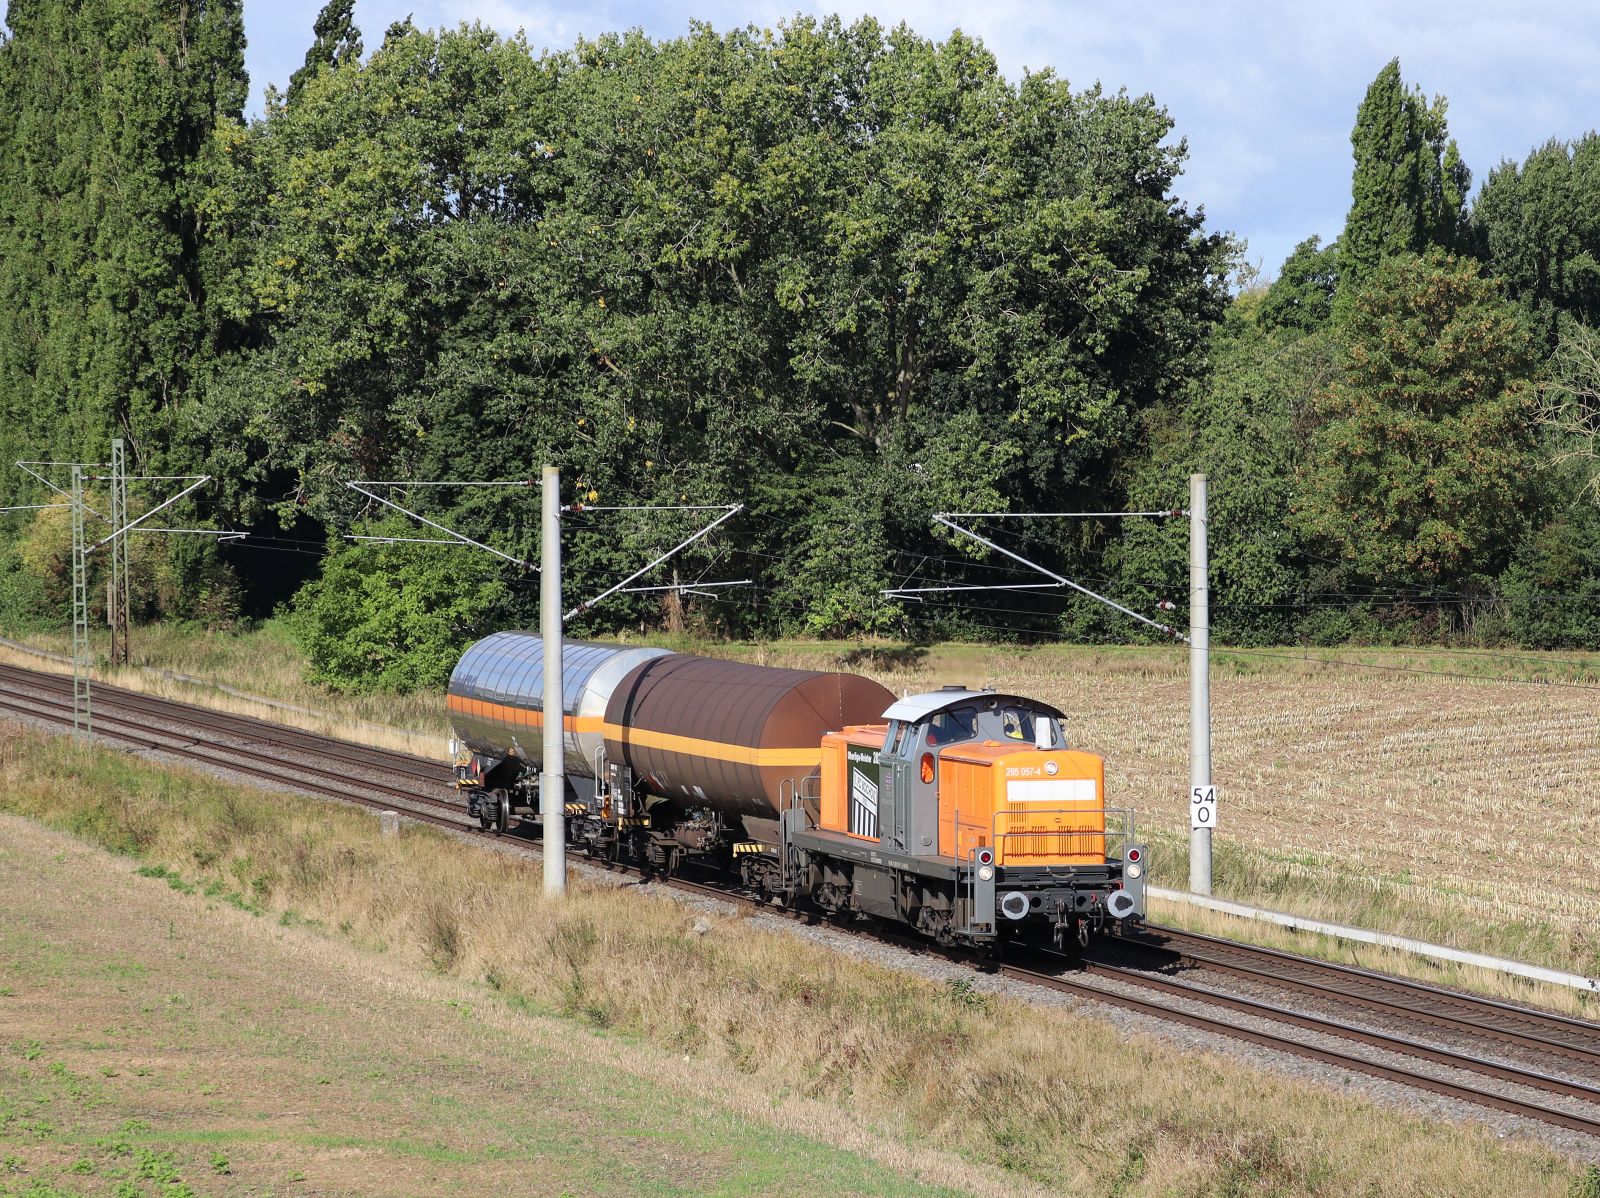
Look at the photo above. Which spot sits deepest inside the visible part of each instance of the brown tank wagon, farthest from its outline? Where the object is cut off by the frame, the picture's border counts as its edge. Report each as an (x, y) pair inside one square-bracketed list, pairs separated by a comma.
[(723, 735), (731, 736)]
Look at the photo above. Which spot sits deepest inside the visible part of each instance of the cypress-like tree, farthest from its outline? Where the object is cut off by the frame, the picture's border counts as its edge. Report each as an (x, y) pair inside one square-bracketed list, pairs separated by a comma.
[(337, 41), (106, 112), (1410, 185), (1538, 227), (1420, 466)]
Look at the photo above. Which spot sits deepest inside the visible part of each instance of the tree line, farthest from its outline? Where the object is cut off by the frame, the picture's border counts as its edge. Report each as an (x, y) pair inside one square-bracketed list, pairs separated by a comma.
[(840, 273)]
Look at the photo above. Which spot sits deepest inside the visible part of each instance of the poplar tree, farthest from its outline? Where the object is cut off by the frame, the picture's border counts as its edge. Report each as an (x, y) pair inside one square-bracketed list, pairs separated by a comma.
[(1410, 185), (337, 41), (106, 112)]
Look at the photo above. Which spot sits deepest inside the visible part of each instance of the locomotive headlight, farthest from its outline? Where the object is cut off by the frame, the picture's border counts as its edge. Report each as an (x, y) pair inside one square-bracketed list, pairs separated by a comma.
[(985, 873), (1135, 870)]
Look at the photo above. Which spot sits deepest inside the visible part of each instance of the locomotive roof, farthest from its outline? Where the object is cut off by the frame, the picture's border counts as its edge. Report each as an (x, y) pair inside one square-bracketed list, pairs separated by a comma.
[(918, 707)]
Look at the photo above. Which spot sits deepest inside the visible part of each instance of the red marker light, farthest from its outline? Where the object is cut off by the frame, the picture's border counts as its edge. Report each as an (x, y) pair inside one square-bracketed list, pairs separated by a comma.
[(1134, 854), (985, 857)]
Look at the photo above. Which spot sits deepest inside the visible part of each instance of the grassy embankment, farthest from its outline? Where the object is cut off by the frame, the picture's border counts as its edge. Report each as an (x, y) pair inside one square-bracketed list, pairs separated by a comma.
[(1452, 804), (1057, 1098), (191, 1048)]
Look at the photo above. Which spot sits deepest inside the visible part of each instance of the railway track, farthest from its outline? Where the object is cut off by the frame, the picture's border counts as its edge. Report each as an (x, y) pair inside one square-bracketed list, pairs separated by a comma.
[(282, 756), (1355, 1033), (1545, 1032), (278, 735), (1567, 1050)]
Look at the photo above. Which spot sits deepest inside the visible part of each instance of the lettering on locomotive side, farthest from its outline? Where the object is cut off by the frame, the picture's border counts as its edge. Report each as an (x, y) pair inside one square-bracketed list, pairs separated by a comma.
[(863, 791)]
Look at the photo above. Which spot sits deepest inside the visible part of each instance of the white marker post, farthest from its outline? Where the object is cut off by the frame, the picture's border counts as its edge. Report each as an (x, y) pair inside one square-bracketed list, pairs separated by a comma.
[(553, 779), (1202, 794)]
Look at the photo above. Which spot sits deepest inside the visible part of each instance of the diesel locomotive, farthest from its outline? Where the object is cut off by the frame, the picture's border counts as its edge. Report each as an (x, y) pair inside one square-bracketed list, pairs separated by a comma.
[(961, 813)]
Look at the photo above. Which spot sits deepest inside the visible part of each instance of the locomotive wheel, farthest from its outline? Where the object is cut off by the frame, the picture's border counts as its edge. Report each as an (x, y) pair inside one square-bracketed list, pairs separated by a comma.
[(502, 814)]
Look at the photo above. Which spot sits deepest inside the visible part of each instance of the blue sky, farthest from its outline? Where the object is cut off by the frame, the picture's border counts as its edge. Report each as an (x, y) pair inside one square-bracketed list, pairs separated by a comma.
[(1265, 93)]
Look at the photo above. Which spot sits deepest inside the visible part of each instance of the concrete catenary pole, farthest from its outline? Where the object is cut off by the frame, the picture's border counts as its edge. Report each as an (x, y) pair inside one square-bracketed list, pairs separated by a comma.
[(119, 608), (1202, 798), (553, 781)]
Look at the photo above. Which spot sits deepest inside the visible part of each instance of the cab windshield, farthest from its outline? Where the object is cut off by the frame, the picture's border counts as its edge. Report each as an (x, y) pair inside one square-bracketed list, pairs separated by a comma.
[(952, 727), (1016, 724)]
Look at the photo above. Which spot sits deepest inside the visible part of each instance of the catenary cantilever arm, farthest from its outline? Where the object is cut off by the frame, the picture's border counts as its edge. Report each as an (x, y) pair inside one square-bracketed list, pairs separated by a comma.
[(732, 511)]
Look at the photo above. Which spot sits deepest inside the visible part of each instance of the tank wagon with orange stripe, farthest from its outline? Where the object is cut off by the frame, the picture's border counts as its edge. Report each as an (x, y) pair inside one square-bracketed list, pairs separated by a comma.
[(961, 813)]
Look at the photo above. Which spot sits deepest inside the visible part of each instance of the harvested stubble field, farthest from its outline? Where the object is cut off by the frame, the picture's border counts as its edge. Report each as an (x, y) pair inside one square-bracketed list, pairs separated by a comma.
[(942, 1084), (1457, 809), (1452, 796)]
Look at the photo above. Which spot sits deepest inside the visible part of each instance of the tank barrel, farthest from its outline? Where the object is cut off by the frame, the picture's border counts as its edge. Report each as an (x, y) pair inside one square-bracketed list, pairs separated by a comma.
[(722, 735)]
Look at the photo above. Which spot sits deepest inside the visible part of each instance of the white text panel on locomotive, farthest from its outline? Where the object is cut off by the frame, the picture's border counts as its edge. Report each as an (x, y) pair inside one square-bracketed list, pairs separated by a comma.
[(1054, 790)]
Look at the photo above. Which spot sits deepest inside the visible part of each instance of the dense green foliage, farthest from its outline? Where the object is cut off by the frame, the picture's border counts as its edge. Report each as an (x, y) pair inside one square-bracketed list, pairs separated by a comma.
[(844, 275), (1539, 225), (1410, 186), (356, 624), (1417, 470), (1245, 431), (838, 273), (106, 114)]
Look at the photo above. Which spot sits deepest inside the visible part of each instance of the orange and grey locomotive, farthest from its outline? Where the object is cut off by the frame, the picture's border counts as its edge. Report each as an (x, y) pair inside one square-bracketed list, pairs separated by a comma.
[(961, 813)]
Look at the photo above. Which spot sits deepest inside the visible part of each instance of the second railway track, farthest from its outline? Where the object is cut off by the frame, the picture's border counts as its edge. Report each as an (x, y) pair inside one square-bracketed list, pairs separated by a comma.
[(1558, 1056)]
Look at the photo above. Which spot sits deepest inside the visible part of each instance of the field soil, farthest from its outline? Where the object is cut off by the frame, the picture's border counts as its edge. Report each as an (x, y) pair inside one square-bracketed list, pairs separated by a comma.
[(179, 1047)]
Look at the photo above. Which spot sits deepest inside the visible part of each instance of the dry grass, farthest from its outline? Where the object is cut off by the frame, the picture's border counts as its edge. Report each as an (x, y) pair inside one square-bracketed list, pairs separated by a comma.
[(232, 673), (1057, 1097)]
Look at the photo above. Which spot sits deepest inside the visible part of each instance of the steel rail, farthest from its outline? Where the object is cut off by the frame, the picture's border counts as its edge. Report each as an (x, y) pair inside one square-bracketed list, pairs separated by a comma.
[(1401, 1045), (1395, 1073), (1471, 1010), (266, 731), (227, 756)]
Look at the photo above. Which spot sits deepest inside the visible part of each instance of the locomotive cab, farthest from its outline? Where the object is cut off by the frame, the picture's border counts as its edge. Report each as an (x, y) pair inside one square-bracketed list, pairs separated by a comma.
[(992, 826)]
